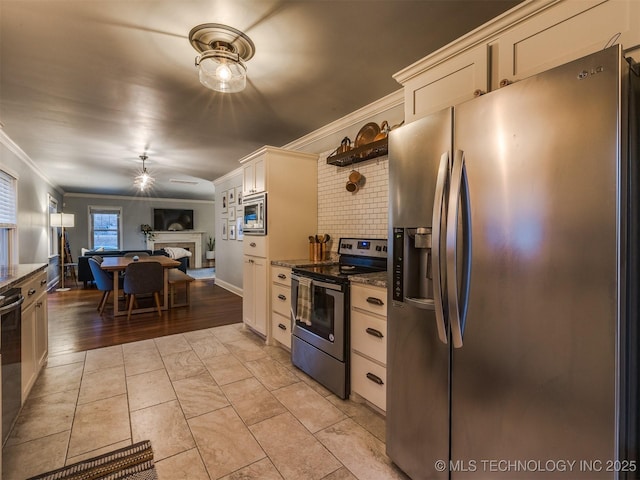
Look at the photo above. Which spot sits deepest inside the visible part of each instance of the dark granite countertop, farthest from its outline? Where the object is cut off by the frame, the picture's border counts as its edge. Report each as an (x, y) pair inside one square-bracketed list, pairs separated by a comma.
[(14, 274), (378, 279), (301, 263)]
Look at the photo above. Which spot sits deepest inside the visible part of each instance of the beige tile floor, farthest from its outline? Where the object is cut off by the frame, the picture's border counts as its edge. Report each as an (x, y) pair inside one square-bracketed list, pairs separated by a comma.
[(215, 403)]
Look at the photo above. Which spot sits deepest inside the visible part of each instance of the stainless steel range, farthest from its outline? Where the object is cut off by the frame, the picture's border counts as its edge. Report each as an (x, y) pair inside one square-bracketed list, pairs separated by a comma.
[(320, 311)]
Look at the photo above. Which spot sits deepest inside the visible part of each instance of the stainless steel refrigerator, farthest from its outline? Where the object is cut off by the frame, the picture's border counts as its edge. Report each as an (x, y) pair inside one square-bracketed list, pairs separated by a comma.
[(513, 274)]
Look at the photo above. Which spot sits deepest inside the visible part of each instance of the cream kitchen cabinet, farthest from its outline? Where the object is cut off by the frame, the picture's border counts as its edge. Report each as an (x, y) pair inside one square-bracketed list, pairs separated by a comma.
[(281, 305), (253, 177), (531, 38), (254, 298), (447, 84), (369, 344), (564, 32), (291, 181), (35, 329)]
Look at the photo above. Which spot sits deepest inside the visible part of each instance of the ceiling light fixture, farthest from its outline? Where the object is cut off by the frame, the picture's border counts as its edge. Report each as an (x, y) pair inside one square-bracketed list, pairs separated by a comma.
[(223, 51), (144, 180)]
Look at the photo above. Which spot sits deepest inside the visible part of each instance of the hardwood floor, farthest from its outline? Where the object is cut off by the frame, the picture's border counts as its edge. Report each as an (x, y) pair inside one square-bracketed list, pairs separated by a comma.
[(75, 324)]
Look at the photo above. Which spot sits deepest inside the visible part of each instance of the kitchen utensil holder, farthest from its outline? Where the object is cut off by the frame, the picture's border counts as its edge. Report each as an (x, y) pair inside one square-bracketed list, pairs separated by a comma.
[(316, 252)]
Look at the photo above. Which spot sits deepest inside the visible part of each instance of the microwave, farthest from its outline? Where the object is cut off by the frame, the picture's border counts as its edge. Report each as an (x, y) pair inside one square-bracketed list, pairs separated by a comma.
[(254, 214)]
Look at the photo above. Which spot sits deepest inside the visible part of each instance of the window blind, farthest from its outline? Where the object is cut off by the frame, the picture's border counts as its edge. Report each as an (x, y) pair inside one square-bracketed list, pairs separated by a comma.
[(8, 216)]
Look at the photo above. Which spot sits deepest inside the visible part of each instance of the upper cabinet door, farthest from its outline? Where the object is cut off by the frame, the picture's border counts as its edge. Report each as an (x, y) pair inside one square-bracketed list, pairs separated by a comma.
[(260, 183), (567, 31), (447, 84), (248, 179), (253, 177)]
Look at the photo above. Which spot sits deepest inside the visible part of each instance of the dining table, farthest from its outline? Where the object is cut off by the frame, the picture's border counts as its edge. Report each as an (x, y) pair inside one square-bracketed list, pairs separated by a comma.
[(119, 264)]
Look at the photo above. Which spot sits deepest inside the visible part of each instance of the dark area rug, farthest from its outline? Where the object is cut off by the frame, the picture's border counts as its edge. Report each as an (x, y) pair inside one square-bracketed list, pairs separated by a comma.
[(134, 462)]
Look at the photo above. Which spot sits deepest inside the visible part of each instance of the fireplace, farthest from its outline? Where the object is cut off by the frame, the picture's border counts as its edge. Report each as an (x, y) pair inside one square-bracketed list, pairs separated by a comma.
[(189, 240)]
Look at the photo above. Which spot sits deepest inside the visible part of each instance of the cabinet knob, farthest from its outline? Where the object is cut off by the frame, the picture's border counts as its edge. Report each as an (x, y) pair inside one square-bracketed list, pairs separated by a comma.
[(31, 291), (282, 326), (504, 82), (252, 244), (282, 297), (282, 276), (478, 93), (43, 281)]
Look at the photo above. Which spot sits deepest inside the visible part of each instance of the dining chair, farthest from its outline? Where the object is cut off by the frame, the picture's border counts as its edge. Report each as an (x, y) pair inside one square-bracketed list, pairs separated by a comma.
[(142, 278), (104, 282)]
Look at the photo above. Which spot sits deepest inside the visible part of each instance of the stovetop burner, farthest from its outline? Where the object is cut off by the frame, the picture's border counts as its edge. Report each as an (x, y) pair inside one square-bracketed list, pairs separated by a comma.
[(356, 256)]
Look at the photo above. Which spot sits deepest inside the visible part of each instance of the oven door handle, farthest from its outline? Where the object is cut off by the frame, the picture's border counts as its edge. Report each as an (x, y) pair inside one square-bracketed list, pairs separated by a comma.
[(318, 283), (12, 306)]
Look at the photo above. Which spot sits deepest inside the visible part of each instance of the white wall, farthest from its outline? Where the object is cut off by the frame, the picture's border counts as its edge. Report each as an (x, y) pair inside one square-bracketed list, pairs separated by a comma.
[(228, 252), (33, 191)]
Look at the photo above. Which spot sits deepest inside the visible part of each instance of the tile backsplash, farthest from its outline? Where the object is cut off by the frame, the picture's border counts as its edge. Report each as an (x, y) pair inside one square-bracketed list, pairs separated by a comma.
[(360, 214)]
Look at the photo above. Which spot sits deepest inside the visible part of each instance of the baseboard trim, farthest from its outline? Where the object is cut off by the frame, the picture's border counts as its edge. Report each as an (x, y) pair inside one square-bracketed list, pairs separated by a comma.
[(227, 286)]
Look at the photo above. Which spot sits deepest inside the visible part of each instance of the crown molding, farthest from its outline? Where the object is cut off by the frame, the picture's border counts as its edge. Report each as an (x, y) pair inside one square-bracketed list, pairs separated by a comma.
[(227, 176), (483, 34), (139, 199), (14, 148), (355, 118)]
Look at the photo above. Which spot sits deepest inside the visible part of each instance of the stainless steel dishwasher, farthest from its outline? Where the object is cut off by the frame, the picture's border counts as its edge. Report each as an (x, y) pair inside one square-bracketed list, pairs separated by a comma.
[(11, 352)]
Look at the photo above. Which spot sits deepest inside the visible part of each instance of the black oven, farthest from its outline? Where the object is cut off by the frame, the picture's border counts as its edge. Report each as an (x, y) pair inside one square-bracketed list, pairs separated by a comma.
[(320, 311)]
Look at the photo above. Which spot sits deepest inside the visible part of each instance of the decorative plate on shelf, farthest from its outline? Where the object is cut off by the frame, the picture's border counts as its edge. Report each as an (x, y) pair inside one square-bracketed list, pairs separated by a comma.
[(366, 134)]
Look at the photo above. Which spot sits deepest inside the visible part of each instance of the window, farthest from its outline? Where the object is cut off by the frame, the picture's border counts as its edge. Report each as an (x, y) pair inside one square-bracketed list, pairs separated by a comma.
[(105, 231), (8, 219)]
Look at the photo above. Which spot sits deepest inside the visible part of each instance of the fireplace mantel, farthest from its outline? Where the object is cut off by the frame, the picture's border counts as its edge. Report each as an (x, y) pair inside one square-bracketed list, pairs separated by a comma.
[(167, 238)]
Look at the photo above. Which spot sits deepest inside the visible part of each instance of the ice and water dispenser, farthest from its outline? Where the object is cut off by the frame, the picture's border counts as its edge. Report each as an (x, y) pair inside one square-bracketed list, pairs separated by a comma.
[(412, 266)]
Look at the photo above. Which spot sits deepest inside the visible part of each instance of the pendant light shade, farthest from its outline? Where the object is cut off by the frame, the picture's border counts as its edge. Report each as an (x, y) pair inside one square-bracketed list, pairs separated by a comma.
[(222, 71), (143, 181), (224, 50)]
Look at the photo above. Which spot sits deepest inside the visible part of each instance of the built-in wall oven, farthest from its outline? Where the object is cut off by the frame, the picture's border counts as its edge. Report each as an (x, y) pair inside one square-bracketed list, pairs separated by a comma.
[(320, 311), (11, 353), (254, 214)]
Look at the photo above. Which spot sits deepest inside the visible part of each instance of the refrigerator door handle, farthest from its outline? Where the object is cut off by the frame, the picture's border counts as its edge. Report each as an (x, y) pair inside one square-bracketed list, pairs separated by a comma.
[(439, 209), (458, 196)]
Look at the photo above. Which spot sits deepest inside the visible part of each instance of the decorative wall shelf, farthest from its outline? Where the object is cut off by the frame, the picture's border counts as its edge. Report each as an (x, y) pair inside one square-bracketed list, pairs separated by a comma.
[(360, 154)]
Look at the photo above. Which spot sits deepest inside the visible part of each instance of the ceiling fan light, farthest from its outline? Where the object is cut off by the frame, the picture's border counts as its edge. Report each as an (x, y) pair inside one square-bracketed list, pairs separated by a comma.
[(222, 71)]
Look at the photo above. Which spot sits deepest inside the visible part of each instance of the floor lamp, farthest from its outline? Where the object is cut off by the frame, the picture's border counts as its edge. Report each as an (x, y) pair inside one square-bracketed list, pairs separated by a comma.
[(62, 220)]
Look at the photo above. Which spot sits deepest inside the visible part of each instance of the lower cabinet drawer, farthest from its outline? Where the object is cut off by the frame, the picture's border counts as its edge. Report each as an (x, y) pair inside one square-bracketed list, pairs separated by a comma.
[(255, 245), (370, 299), (281, 329), (369, 336), (33, 288), (280, 300), (281, 275), (369, 380)]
